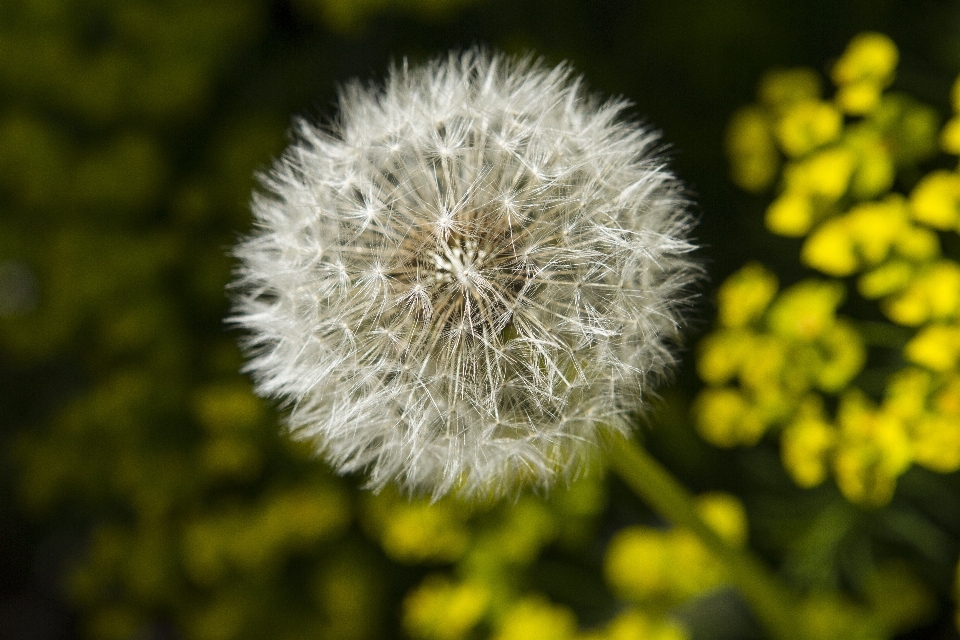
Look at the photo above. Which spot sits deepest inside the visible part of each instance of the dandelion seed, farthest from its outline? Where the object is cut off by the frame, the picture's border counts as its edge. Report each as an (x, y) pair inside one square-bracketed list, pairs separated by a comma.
[(470, 272)]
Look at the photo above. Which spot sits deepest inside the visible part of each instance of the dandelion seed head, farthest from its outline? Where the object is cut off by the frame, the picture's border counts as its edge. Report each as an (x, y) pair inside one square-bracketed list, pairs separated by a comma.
[(463, 279)]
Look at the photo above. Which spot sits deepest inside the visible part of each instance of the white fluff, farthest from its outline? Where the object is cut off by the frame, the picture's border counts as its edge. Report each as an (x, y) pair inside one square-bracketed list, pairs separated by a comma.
[(456, 284)]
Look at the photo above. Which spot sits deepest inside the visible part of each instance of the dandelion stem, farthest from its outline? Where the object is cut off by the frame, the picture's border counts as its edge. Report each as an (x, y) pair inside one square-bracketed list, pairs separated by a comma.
[(769, 599)]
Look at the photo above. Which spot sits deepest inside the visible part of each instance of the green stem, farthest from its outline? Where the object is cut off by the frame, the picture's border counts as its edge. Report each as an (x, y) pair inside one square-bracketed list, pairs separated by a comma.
[(769, 599)]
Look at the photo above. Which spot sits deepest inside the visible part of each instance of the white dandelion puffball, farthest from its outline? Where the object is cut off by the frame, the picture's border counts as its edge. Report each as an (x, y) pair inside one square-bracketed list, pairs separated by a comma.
[(458, 283)]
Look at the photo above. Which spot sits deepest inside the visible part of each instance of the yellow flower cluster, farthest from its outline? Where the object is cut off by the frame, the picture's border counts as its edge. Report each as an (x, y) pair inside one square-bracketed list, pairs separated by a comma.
[(490, 545), (865, 69), (769, 353), (641, 562), (444, 610), (773, 358), (230, 551)]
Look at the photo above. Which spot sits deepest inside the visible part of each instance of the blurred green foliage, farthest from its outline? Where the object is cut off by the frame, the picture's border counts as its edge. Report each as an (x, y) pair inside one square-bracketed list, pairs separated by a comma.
[(147, 490)]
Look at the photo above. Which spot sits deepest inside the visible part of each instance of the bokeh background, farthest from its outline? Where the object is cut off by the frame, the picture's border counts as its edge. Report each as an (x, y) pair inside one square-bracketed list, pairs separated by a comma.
[(146, 493)]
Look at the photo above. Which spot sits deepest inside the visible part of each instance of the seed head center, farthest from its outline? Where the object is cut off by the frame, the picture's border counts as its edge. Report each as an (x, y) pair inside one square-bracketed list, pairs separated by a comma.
[(459, 260)]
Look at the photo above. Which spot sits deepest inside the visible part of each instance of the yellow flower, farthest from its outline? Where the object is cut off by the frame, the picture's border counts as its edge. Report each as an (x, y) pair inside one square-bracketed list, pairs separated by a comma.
[(762, 365), (790, 215), (702, 570), (806, 442), (910, 128), (831, 249), (721, 354), (935, 201), (439, 609), (806, 125), (843, 355), (806, 310), (416, 530), (725, 515), (888, 278), (536, 619), (907, 393), (634, 625), (947, 399), (933, 295), (936, 442), (745, 295), (875, 169), (858, 98), (863, 71), (725, 418), (753, 155), (872, 452), (641, 563), (936, 347), (423, 531), (875, 227), (825, 174), (864, 236), (918, 244), (783, 87), (637, 564), (950, 136)]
